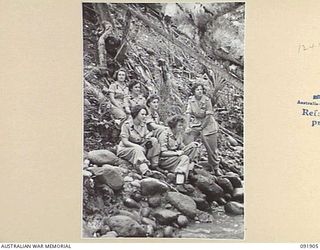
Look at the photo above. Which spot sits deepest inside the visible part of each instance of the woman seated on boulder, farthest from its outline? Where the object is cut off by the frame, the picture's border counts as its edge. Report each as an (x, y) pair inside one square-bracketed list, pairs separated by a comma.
[(135, 95), (201, 123), (153, 119), (119, 93), (175, 156), (137, 144)]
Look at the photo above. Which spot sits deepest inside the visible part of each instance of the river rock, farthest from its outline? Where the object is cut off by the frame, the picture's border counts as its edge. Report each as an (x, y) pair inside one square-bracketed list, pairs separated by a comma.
[(128, 202), (201, 203), (227, 197), (235, 180), (225, 184), (154, 201), (182, 221), (135, 183), (168, 232), (165, 216), (149, 231), (148, 221), (238, 195), (152, 186), (183, 203), (125, 226), (129, 214), (234, 208), (109, 175), (103, 156), (111, 234), (145, 212), (136, 196), (209, 188), (128, 179), (221, 201)]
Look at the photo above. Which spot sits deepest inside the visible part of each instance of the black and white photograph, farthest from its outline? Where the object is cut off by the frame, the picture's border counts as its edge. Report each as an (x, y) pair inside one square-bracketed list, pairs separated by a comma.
[(163, 120)]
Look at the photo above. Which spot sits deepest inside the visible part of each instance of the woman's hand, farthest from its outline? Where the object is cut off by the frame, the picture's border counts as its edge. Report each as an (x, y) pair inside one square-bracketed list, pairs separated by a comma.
[(179, 152)]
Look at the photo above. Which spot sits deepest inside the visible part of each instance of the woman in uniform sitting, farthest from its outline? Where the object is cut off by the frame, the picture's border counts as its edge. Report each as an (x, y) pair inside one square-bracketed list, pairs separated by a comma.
[(135, 95), (175, 156), (119, 93), (200, 122), (137, 144)]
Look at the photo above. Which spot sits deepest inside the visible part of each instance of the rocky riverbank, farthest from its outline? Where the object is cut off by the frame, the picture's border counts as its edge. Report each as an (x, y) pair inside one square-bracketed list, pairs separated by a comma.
[(118, 202)]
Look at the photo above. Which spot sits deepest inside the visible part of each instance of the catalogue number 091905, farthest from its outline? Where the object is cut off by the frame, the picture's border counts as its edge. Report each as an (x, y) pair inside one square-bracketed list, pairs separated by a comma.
[(309, 246)]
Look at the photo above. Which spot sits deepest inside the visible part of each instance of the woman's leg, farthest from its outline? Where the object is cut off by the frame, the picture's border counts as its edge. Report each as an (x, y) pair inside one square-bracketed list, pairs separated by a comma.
[(191, 150), (135, 156), (153, 152), (210, 142)]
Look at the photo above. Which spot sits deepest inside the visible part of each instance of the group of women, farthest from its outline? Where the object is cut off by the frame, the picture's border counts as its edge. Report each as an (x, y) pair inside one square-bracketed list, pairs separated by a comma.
[(147, 144)]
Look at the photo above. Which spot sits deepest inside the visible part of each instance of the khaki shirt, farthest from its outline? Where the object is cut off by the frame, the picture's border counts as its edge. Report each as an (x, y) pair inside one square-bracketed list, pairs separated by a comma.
[(168, 141), (139, 100), (153, 117), (135, 134), (121, 93), (199, 110)]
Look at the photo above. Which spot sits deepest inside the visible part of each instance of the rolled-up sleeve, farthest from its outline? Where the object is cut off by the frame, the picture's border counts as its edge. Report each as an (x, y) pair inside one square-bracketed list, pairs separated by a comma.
[(163, 141), (125, 131), (209, 109)]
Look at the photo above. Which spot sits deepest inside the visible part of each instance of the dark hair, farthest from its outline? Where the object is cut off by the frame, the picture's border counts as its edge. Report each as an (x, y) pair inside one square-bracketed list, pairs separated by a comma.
[(174, 120), (133, 83), (151, 98), (194, 87), (135, 110), (117, 72)]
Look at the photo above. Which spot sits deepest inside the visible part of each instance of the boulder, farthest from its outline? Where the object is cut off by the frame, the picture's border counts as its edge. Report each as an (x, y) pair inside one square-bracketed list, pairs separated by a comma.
[(209, 188), (202, 204), (148, 221), (154, 201), (168, 232), (182, 221), (165, 216), (238, 195), (136, 196), (145, 212), (125, 226), (128, 179), (152, 186), (131, 203), (103, 156), (225, 184), (135, 183), (109, 175), (183, 203), (235, 180), (129, 214), (111, 234), (234, 208)]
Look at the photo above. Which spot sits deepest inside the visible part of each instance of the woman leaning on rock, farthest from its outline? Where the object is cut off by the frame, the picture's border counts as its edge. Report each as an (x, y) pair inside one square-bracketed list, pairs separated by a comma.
[(137, 144), (201, 123)]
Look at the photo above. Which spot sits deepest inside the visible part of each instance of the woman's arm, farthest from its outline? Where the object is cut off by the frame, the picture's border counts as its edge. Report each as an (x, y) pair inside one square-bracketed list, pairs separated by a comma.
[(170, 153), (113, 100), (130, 144)]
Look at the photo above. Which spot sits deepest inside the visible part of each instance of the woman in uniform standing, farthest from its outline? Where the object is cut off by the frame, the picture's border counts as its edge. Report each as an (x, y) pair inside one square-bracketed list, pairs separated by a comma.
[(200, 122)]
